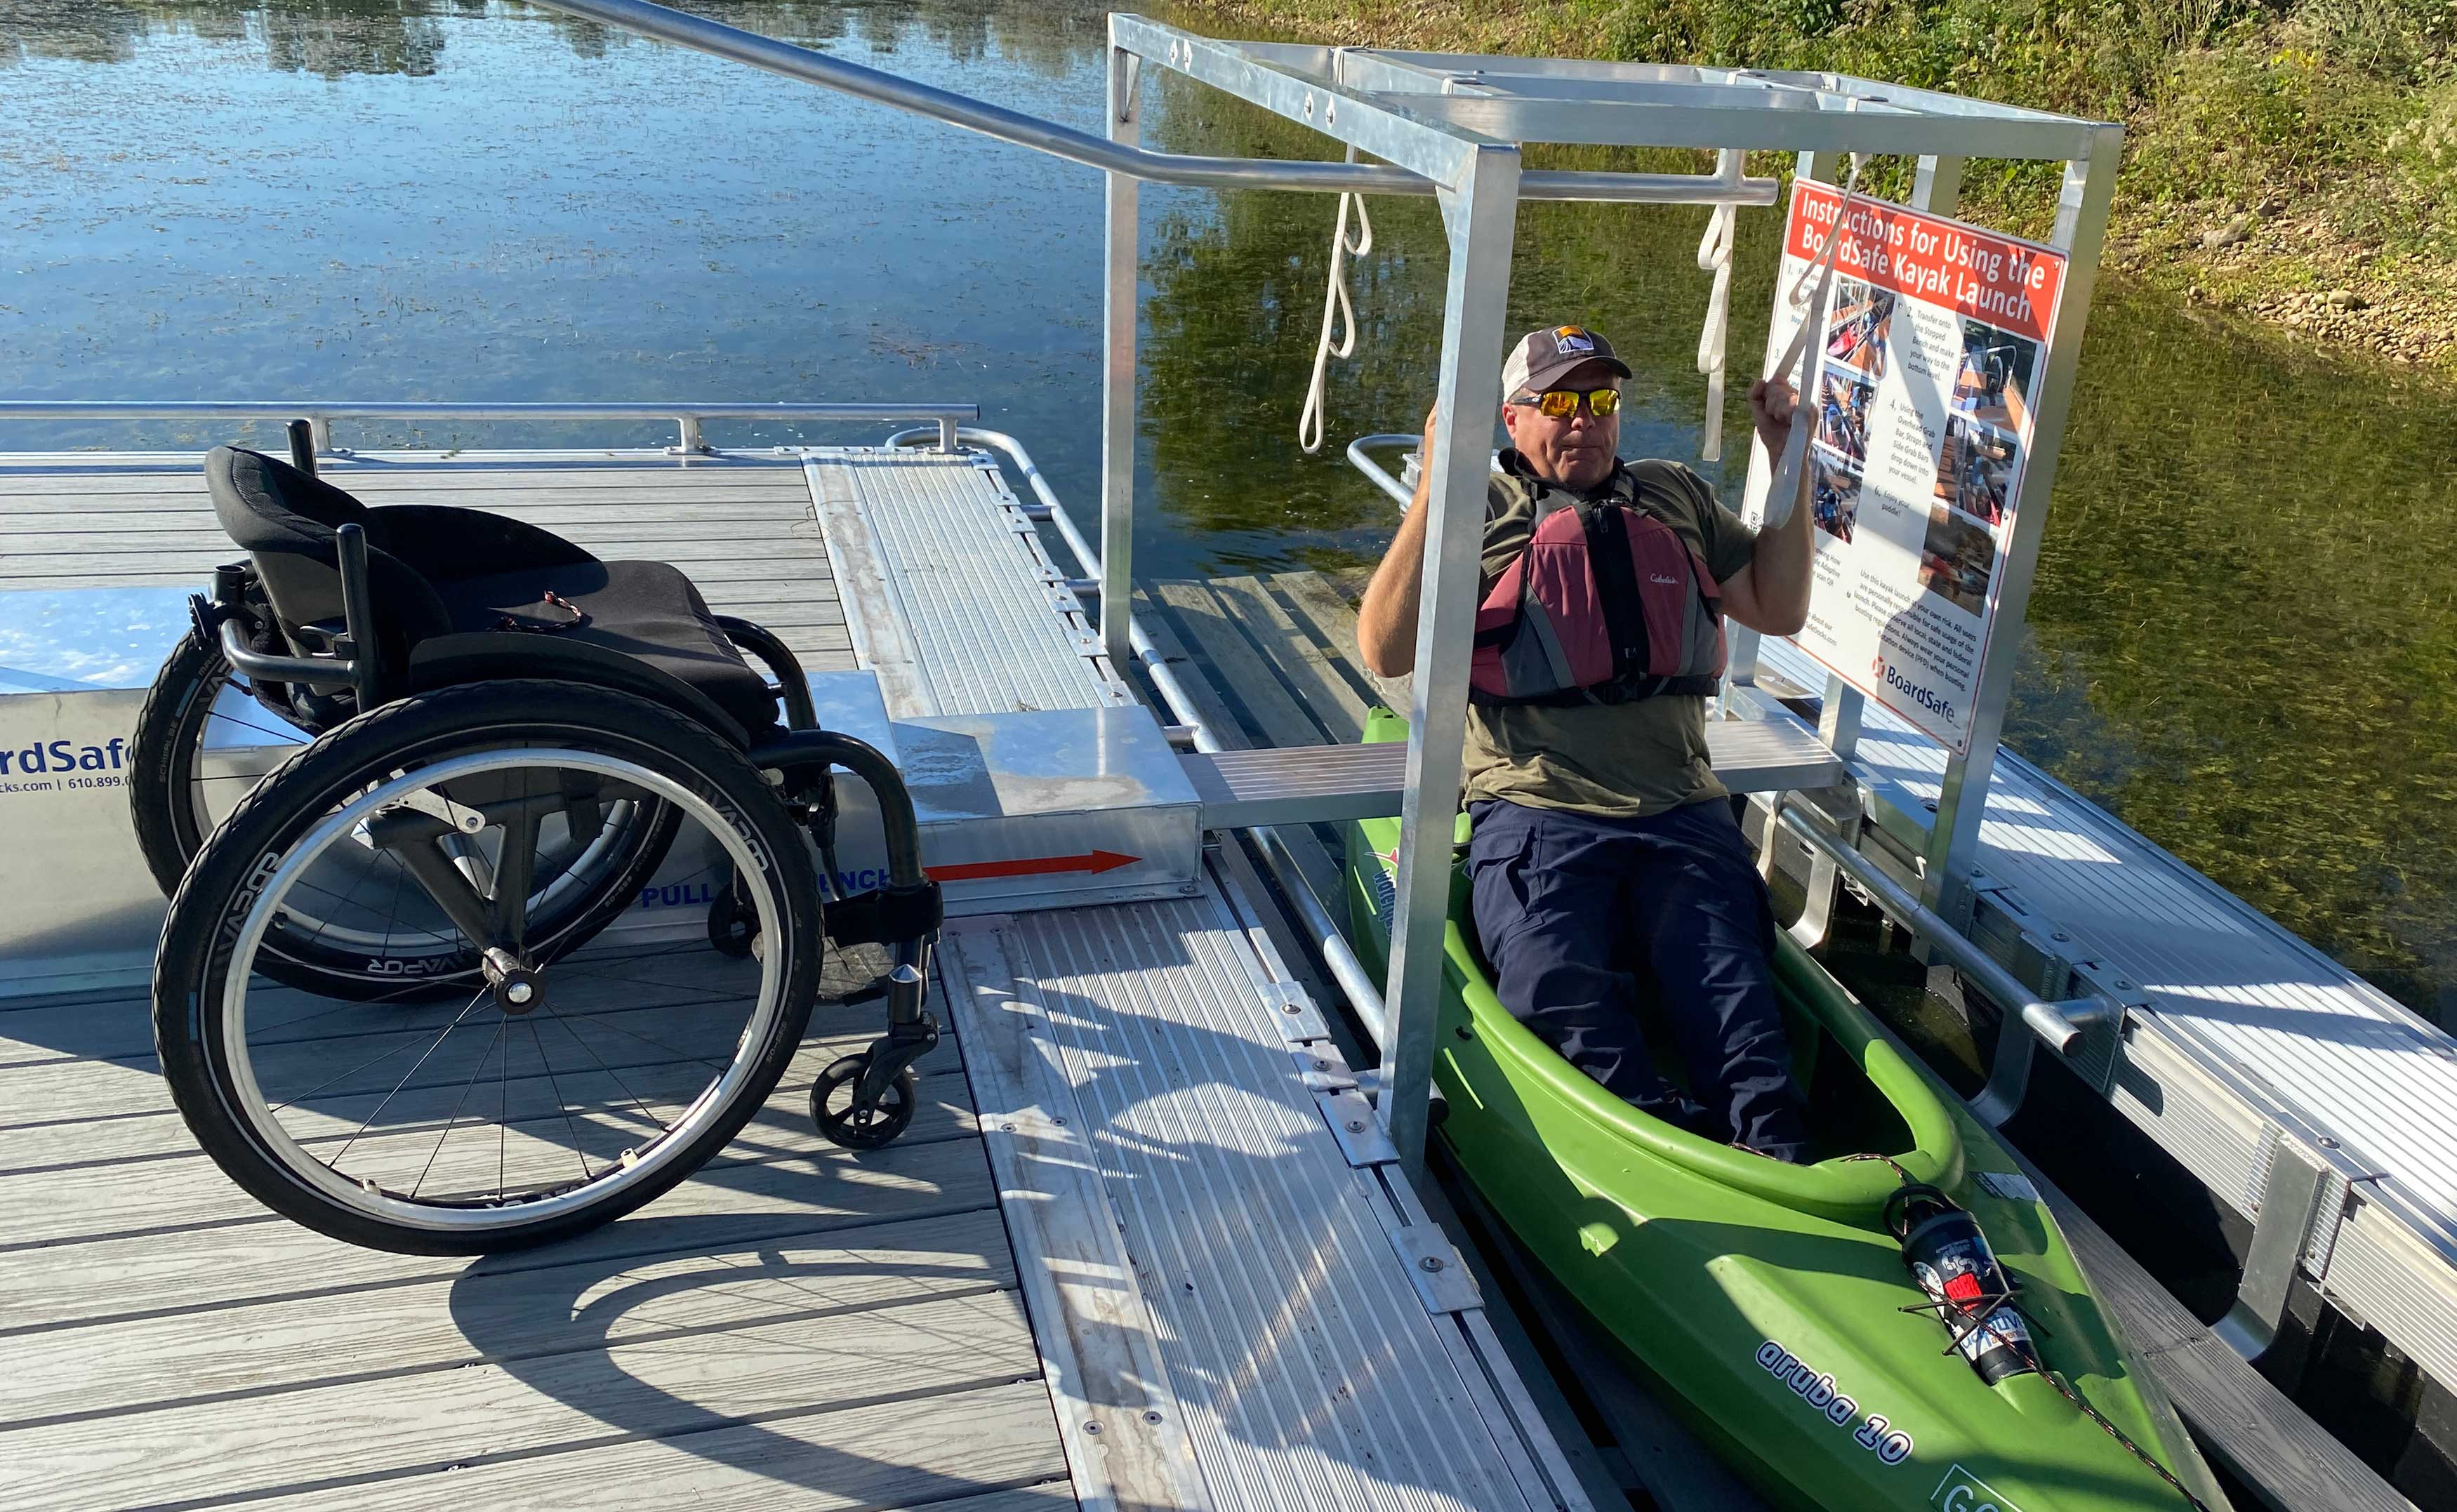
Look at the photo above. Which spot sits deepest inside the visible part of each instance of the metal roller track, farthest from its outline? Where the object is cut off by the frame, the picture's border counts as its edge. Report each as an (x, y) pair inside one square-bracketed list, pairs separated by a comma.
[(1308, 1365), (2241, 1035), (948, 565)]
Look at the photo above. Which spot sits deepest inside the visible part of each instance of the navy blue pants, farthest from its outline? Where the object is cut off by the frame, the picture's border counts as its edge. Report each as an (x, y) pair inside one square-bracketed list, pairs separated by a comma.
[(1582, 917)]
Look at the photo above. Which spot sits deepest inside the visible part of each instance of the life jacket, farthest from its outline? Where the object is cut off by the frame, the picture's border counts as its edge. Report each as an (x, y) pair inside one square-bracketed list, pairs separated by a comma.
[(1607, 604)]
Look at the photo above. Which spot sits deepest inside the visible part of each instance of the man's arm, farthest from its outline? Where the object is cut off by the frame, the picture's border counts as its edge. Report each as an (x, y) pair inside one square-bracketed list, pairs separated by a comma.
[(1386, 621), (1770, 593)]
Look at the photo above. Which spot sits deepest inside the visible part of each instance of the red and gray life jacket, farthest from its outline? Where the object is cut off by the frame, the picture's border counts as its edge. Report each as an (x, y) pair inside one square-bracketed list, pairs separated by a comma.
[(1607, 604)]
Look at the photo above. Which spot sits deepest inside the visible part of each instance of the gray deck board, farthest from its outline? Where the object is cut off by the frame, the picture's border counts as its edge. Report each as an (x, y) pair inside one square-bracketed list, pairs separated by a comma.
[(852, 1458), (259, 1445), (741, 526), (795, 1325)]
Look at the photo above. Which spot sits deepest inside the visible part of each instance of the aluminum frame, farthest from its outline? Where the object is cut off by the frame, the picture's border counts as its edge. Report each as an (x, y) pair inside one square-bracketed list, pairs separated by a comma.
[(2081, 230), (1452, 126)]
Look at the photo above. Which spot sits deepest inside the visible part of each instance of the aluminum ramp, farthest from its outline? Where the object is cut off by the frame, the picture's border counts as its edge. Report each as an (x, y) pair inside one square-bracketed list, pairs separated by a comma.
[(1238, 1302)]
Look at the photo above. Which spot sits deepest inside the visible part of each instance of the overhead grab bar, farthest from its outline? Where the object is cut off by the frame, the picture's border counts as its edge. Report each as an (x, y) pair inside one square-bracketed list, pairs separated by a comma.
[(719, 40)]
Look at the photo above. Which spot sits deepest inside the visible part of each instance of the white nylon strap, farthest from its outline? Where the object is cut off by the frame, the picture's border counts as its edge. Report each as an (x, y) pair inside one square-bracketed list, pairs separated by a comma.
[(1715, 256), (1786, 486), (1336, 310)]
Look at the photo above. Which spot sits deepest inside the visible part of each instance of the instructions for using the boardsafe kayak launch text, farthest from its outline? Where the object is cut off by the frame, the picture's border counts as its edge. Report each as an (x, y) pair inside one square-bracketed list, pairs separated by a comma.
[(1932, 346)]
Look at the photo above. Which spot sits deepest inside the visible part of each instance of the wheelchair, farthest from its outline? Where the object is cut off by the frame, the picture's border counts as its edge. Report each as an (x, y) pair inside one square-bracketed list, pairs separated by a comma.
[(410, 992)]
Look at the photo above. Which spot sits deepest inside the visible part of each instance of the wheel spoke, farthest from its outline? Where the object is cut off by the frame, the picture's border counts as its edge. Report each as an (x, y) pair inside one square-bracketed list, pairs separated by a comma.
[(674, 1050), (293, 736), (475, 1073), (578, 1154), (611, 1074), (351, 1111), (405, 1080)]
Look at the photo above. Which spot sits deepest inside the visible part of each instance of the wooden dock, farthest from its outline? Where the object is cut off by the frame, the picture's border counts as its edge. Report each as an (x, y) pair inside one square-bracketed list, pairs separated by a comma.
[(798, 1325), (798, 1319)]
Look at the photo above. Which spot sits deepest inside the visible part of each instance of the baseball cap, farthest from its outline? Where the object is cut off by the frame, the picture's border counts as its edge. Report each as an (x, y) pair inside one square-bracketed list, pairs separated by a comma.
[(1541, 356)]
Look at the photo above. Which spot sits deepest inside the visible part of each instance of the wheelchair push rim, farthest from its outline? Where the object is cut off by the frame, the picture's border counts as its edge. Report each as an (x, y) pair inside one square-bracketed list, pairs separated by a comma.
[(585, 1183)]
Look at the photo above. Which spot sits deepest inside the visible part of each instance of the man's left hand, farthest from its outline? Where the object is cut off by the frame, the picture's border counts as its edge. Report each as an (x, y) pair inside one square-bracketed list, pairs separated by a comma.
[(1771, 402)]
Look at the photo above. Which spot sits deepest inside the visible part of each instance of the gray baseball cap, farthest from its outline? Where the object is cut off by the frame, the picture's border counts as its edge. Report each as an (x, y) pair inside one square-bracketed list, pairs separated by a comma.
[(1541, 356)]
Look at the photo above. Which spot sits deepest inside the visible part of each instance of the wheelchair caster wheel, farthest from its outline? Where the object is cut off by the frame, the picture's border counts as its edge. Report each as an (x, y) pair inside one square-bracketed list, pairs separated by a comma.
[(870, 1129)]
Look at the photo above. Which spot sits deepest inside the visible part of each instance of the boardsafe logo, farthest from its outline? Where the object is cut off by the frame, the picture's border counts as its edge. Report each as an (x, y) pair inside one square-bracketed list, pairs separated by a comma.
[(62, 766), (1961, 1491), (1927, 698), (62, 755)]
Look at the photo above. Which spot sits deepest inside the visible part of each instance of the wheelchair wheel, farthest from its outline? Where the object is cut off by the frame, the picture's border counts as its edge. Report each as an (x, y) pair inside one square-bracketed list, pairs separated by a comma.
[(202, 742), (176, 794), (560, 1086)]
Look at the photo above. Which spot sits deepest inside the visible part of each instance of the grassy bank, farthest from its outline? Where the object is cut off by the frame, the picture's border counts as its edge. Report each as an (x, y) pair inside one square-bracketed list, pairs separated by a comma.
[(2294, 160)]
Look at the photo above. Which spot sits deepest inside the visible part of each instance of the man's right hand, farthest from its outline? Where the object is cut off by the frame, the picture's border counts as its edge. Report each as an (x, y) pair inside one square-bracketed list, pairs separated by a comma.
[(1386, 619)]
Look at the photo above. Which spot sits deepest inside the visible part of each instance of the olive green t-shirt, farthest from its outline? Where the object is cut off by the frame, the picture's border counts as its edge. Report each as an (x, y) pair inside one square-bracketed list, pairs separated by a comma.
[(1621, 760)]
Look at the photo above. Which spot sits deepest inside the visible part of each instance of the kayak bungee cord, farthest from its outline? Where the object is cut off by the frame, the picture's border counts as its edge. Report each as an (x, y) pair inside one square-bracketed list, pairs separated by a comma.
[(1950, 1257), (1335, 308)]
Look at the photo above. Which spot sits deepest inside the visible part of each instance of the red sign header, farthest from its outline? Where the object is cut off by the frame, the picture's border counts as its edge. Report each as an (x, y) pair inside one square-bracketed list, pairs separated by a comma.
[(2008, 283)]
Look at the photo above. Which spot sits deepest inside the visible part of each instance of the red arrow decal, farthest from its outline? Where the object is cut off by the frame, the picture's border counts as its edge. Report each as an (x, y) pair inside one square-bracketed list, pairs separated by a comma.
[(1031, 866)]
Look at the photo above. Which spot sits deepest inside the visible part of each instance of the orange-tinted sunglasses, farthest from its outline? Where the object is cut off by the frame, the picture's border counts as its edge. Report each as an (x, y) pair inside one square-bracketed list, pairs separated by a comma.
[(1560, 404)]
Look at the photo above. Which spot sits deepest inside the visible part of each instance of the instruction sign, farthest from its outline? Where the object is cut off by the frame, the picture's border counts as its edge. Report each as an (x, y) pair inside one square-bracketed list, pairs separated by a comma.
[(1919, 384)]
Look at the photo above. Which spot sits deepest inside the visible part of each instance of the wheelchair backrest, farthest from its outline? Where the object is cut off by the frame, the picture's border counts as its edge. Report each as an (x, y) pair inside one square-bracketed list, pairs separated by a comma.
[(285, 521)]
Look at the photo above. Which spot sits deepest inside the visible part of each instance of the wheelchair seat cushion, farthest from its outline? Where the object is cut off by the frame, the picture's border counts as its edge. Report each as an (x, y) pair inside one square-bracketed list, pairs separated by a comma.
[(647, 610)]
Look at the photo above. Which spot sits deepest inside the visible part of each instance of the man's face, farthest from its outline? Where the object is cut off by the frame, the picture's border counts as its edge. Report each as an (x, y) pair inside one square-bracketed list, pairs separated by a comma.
[(1573, 453)]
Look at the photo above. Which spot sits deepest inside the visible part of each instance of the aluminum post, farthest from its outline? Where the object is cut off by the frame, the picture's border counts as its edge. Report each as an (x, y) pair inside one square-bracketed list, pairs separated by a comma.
[(1120, 311), (2081, 227), (1480, 217), (1740, 660)]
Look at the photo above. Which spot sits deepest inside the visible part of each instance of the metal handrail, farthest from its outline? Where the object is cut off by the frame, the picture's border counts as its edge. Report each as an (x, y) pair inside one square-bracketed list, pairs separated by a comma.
[(2064, 1025), (319, 414), (1363, 994), (1374, 472), (719, 40)]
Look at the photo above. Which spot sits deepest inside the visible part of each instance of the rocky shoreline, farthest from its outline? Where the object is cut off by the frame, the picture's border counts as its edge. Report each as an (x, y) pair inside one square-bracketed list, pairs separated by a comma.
[(2283, 269)]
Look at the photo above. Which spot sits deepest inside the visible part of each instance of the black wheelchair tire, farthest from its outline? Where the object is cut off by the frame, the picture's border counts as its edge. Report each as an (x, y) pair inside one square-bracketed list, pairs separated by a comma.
[(162, 759), (193, 965)]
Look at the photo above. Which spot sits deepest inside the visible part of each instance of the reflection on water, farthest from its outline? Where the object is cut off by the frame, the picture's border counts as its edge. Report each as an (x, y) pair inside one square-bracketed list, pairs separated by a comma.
[(2242, 631)]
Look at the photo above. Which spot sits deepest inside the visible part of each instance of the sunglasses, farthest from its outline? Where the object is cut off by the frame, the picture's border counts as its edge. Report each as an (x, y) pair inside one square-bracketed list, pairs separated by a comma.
[(1560, 404)]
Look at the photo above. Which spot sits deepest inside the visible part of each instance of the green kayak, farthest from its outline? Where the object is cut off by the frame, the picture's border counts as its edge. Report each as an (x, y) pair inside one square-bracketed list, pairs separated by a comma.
[(1769, 1300)]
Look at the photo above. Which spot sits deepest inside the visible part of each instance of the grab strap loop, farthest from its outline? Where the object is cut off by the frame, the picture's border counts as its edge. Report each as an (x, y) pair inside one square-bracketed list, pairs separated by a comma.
[(1336, 310), (1715, 256)]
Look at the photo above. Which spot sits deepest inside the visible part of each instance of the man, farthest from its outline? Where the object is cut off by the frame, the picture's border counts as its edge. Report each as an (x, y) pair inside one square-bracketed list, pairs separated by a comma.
[(1607, 866)]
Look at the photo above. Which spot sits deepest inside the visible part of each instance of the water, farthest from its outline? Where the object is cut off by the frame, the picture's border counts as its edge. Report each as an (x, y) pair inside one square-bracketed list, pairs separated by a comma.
[(2242, 637)]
